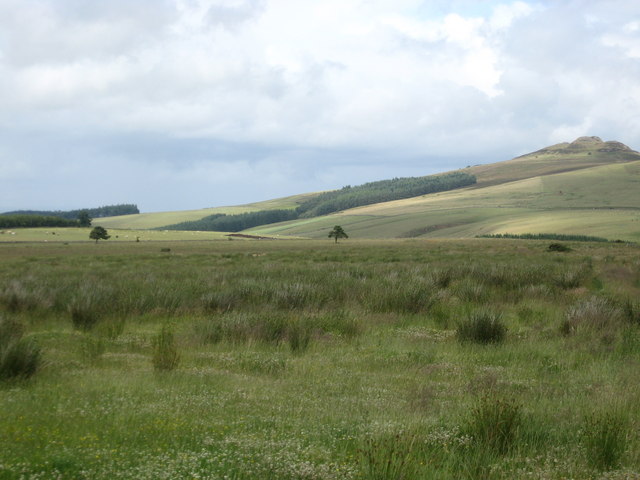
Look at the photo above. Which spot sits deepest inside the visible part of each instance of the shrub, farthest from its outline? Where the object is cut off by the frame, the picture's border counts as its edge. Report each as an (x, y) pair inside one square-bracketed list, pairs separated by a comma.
[(494, 424), (558, 247), (19, 357), (83, 317), (605, 439), (482, 327), (165, 353)]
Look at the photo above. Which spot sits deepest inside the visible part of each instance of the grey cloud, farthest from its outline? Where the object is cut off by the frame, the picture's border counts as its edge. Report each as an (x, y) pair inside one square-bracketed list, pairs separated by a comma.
[(72, 30), (190, 104)]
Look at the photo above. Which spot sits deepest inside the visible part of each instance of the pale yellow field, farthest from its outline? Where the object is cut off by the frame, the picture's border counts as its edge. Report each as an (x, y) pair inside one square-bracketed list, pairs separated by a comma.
[(599, 201), (45, 235), (576, 191), (161, 219)]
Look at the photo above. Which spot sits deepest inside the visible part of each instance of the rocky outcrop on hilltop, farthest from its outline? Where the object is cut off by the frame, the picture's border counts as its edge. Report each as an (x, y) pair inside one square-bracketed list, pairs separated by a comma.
[(585, 144)]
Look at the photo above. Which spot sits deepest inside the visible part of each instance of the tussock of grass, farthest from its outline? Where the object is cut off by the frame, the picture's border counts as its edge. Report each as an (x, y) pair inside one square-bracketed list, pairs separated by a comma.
[(20, 358), (165, 351), (594, 314), (605, 439), (482, 326), (494, 424)]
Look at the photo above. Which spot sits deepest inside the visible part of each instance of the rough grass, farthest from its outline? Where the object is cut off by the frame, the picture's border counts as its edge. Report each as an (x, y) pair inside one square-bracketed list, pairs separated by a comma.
[(299, 360)]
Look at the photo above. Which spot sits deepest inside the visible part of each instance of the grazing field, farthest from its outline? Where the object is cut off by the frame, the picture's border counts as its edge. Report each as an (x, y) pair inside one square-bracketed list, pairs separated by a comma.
[(434, 359), (602, 200), (72, 235), (161, 219)]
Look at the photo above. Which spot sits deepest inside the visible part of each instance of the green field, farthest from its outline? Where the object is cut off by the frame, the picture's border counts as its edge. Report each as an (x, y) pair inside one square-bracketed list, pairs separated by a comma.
[(587, 187), (434, 359), (66, 235), (584, 152), (160, 219), (602, 201)]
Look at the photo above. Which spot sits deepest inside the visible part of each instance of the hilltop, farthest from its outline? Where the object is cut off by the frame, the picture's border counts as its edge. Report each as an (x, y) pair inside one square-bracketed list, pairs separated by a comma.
[(584, 152)]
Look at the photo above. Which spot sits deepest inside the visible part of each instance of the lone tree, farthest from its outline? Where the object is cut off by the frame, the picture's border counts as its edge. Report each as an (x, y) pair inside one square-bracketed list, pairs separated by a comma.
[(84, 220), (99, 233), (337, 233)]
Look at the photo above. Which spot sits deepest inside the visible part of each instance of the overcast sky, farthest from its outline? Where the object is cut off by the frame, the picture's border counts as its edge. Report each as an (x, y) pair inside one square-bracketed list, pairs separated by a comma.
[(185, 104)]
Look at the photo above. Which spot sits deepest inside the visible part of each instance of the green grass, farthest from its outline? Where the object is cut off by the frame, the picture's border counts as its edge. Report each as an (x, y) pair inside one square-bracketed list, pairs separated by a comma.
[(598, 201), (72, 235), (144, 221), (553, 160), (565, 189), (310, 360)]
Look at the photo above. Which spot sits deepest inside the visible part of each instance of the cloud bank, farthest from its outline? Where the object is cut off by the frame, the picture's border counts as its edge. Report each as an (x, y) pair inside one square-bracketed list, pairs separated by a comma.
[(177, 104)]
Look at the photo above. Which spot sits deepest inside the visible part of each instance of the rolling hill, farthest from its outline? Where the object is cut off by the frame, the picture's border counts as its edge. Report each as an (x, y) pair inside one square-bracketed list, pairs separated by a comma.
[(588, 187), (159, 219)]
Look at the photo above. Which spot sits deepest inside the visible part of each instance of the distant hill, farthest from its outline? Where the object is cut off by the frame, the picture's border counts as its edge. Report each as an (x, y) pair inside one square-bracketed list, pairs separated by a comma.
[(159, 219), (333, 201), (583, 152), (585, 187)]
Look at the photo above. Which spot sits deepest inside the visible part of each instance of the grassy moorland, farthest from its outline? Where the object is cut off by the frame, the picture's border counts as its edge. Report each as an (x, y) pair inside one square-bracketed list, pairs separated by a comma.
[(439, 359)]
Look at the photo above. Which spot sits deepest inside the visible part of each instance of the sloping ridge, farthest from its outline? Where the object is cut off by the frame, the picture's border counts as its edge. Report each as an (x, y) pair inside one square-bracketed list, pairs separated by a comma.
[(584, 152), (584, 187)]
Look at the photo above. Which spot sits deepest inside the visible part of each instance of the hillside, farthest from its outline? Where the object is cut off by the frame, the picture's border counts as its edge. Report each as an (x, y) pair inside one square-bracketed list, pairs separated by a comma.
[(586, 187), (584, 152), (160, 219)]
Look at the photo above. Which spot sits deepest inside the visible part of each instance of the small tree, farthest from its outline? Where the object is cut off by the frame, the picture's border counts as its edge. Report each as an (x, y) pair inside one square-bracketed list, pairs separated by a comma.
[(337, 233), (84, 220), (99, 233)]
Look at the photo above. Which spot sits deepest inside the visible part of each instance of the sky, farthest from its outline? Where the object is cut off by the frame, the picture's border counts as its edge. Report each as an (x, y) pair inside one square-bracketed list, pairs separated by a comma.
[(188, 104)]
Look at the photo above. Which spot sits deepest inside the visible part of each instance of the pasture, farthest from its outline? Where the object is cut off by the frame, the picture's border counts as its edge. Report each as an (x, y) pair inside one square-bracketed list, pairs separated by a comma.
[(602, 200), (288, 359), (160, 219), (60, 237)]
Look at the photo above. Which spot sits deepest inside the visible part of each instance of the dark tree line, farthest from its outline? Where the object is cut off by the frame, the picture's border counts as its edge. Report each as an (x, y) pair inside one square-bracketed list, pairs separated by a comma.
[(382, 191), (334, 201), (99, 212), (34, 221), (235, 223)]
